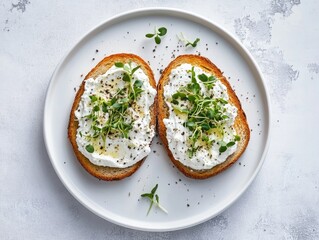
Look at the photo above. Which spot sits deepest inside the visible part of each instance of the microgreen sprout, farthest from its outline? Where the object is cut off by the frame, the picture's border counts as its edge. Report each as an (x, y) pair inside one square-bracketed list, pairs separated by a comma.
[(207, 81), (204, 114), (158, 33), (117, 123), (187, 43), (224, 147), (154, 198)]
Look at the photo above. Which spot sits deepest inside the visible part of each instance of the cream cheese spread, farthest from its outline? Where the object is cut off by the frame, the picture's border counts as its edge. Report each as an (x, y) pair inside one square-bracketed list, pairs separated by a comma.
[(178, 135), (114, 150)]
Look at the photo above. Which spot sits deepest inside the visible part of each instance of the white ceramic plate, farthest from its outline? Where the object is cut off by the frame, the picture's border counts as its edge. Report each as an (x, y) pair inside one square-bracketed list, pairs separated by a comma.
[(189, 202)]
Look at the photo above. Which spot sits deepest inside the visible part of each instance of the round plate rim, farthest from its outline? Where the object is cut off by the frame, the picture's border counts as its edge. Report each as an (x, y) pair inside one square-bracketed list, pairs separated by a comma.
[(165, 11)]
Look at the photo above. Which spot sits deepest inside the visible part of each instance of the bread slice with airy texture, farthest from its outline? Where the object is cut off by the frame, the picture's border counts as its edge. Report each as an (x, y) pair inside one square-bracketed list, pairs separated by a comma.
[(240, 122), (105, 172)]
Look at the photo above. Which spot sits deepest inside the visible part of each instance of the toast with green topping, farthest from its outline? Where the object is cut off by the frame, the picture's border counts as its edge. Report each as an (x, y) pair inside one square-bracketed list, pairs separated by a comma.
[(105, 119), (200, 119)]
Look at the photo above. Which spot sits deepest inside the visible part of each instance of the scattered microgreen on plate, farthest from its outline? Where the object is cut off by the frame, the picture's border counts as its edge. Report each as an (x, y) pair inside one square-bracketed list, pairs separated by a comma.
[(154, 198), (187, 42), (158, 33)]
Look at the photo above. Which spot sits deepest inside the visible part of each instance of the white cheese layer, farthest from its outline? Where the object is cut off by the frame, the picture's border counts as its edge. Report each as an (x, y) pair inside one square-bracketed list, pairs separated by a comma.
[(116, 151), (178, 135)]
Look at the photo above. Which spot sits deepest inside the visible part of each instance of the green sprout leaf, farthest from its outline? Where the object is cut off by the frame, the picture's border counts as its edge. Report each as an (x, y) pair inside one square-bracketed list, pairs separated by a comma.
[(179, 95), (157, 40), (175, 101), (203, 77), (96, 108), (119, 64), (93, 98), (205, 126), (104, 107), (149, 35), (89, 148), (126, 77), (116, 105), (190, 124), (162, 31), (230, 144), (212, 78), (134, 69), (180, 110), (154, 189), (138, 83), (222, 149)]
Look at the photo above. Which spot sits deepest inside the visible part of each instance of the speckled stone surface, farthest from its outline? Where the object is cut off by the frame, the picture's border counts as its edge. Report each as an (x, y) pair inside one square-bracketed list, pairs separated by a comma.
[(282, 203)]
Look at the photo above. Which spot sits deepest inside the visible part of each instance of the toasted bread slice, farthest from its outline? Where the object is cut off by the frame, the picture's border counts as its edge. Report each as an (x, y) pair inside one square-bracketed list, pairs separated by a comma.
[(240, 125), (101, 172)]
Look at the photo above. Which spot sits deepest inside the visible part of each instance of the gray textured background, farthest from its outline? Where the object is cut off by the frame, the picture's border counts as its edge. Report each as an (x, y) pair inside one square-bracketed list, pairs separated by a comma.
[(282, 203)]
